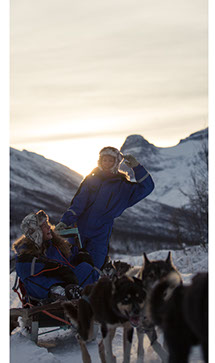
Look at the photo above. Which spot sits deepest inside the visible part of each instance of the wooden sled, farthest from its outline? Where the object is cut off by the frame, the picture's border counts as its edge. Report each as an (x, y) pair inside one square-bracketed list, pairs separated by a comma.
[(37, 314), (42, 316)]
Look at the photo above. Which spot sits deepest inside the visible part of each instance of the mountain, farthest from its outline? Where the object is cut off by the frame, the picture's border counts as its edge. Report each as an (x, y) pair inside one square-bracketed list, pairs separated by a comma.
[(170, 167), (38, 183)]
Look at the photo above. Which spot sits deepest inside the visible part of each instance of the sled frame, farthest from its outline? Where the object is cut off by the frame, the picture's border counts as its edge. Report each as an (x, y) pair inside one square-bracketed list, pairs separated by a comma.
[(36, 317)]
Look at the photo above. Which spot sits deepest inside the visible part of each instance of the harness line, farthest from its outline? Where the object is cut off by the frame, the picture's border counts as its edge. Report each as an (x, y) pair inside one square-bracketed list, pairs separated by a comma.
[(50, 269), (44, 311)]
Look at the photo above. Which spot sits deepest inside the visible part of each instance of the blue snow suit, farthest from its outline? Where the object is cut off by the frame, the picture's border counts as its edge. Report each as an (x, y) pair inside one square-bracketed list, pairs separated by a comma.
[(98, 201), (39, 274)]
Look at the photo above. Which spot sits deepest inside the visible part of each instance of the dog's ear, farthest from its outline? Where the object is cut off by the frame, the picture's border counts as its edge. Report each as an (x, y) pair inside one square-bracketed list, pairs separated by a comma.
[(169, 258), (145, 259)]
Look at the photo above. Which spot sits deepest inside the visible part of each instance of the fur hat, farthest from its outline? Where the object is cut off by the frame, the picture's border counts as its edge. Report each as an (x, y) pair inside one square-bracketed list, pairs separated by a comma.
[(31, 226), (112, 151)]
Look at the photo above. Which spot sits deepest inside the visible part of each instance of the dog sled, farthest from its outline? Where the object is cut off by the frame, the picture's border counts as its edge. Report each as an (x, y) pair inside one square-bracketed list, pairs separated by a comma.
[(37, 314), (42, 316)]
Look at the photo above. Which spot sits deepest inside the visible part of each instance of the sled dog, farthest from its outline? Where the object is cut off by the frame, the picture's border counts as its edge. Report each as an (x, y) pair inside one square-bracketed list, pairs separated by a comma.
[(111, 303), (118, 268), (182, 313), (150, 273)]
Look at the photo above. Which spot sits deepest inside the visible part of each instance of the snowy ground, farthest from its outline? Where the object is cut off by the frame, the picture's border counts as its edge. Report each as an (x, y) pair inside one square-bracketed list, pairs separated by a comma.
[(61, 346)]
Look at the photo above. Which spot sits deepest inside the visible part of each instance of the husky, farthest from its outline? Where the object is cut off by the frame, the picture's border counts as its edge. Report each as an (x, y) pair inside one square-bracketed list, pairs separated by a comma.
[(93, 300), (182, 313), (111, 303), (150, 273), (118, 268)]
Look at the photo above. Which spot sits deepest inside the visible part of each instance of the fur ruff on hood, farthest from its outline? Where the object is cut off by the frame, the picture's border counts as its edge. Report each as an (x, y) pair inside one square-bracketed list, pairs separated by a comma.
[(24, 245), (121, 174)]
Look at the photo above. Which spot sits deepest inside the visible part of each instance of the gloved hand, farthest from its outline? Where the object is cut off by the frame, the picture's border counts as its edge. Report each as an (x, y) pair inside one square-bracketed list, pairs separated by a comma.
[(130, 161), (60, 226), (58, 290), (65, 273), (82, 256)]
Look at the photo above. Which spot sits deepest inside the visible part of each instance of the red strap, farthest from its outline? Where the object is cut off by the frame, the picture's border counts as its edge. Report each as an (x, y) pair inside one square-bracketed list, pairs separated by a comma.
[(43, 311), (56, 317), (67, 262), (50, 269)]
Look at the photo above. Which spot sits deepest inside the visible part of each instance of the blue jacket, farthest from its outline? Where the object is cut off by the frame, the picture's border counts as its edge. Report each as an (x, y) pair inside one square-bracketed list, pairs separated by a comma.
[(39, 273), (101, 199)]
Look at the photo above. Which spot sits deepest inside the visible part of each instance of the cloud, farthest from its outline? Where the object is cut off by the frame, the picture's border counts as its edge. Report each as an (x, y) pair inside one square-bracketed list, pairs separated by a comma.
[(136, 61)]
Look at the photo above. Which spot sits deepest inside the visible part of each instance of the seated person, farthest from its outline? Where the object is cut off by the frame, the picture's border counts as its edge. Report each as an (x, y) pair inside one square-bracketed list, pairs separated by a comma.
[(43, 260)]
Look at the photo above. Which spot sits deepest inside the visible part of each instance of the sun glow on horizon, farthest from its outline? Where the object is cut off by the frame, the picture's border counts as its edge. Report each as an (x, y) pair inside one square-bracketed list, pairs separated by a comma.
[(80, 155)]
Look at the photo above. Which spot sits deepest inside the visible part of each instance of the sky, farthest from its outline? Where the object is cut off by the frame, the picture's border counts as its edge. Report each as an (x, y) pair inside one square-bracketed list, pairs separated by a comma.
[(87, 74)]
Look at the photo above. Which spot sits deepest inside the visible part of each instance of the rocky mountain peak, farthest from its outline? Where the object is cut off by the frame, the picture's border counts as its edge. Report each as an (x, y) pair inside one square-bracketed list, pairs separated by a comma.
[(137, 144), (196, 136)]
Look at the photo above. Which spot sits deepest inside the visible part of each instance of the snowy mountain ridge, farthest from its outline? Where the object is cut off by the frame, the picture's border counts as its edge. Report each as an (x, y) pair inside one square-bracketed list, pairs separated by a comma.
[(38, 183), (170, 167)]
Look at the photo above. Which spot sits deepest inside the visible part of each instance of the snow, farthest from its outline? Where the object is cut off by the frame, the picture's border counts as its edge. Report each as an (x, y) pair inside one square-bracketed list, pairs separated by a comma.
[(170, 167), (177, 164), (38, 183), (32, 353), (26, 165), (61, 346)]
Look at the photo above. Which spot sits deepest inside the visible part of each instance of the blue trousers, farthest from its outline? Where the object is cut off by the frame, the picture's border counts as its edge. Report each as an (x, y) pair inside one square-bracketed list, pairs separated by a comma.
[(97, 246)]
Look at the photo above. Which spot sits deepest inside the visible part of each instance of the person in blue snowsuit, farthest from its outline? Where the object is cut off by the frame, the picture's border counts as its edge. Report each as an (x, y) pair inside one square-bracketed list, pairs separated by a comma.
[(102, 196), (44, 264)]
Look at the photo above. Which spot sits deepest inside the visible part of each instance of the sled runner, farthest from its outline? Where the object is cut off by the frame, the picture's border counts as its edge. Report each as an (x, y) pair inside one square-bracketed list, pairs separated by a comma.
[(45, 313), (38, 314)]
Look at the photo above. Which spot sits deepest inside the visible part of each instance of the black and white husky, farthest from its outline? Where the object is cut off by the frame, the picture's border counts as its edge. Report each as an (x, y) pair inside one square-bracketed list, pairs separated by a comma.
[(111, 303), (120, 301), (182, 313), (115, 268)]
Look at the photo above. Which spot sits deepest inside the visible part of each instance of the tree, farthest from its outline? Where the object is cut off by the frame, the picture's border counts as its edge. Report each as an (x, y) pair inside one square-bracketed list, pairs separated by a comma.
[(198, 198)]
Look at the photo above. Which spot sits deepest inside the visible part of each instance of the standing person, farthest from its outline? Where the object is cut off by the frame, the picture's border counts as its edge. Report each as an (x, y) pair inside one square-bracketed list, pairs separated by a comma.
[(43, 261), (102, 196)]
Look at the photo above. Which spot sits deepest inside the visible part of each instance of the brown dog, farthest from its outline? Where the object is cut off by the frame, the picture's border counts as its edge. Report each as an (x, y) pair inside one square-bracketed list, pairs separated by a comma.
[(111, 303)]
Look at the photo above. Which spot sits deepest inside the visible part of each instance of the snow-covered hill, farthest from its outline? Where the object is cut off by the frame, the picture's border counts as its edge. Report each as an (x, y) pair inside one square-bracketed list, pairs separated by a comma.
[(38, 183), (170, 167), (61, 346), (155, 222)]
